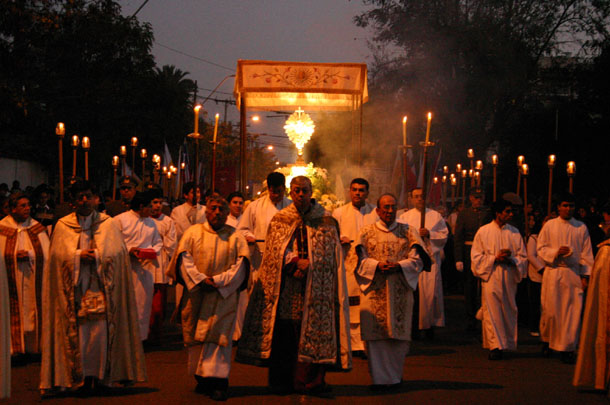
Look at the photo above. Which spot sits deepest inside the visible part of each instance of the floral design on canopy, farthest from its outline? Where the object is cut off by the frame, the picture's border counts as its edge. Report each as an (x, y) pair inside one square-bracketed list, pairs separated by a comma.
[(301, 76)]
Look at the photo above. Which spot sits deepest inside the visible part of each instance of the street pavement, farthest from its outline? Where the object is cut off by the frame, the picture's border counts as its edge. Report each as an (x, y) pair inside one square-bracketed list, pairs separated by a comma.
[(451, 369)]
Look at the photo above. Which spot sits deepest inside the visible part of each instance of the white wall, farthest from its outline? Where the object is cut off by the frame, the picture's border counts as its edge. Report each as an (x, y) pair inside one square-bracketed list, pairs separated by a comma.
[(27, 173)]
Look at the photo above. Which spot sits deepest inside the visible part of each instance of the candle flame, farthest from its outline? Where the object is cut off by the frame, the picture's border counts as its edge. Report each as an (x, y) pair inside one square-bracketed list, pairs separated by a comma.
[(571, 168), (464, 173), (75, 140), (143, 154), (60, 129), (197, 108), (479, 165), (404, 119), (123, 150), (115, 161), (551, 160), (525, 169), (134, 141), (429, 116), (470, 153), (445, 169), (85, 143), (520, 160), (494, 159)]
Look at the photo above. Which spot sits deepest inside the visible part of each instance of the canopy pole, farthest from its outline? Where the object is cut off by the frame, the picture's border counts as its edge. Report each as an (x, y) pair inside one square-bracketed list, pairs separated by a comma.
[(243, 145)]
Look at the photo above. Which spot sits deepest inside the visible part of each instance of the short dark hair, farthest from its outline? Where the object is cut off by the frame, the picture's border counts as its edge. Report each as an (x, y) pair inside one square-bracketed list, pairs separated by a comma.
[(360, 180), (235, 194), (14, 198), (188, 186), (383, 195), (142, 198), (415, 188), (275, 179), (219, 199), (155, 192), (500, 205), (79, 185)]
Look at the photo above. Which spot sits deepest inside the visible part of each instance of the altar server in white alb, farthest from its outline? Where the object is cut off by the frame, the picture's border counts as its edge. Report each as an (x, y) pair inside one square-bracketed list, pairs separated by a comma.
[(188, 213), (429, 307), (499, 259), (254, 222), (167, 230), (391, 255), (144, 245), (212, 263), (351, 220), (564, 245), (24, 251), (236, 208)]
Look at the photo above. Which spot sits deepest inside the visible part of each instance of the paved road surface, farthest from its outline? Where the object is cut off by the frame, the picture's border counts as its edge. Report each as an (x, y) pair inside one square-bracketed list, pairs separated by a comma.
[(452, 369)]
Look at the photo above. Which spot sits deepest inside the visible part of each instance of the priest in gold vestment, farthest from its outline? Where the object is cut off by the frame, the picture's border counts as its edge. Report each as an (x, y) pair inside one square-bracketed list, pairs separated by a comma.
[(297, 321), (391, 256)]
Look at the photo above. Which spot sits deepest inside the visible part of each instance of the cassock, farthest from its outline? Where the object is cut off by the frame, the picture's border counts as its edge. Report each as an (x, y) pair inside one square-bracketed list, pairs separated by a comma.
[(351, 220), (386, 299), (311, 315), (562, 292), (593, 363), (141, 233), (5, 336), (167, 230), (90, 323), (24, 279), (498, 282), (430, 284), (186, 215), (208, 314)]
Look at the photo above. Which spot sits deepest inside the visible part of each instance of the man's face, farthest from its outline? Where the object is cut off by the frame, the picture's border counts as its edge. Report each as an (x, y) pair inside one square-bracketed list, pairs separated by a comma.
[(156, 205), (127, 193), (236, 206), (358, 193), (22, 211), (565, 209), (418, 198), (189, 197), (276, 193), (84, 202), (300, 193), (43, 198), (504, 216), (145, 210), (476, 200), (216, 214), (387, 209)]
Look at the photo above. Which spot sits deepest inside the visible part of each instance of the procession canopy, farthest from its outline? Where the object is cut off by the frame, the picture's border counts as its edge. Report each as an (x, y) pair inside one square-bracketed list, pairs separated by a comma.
[(271, 85)]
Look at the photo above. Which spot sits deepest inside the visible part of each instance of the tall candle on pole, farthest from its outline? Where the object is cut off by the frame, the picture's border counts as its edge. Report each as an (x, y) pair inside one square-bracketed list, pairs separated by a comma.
[(464, 177), (134, 144), (60, 131), (214, 152), (470, 155), (182, 176), (425, 145), (525, 171), (405, 163), (453, 187), (458, 171), (115, 167), (196, 135), (75, 142), (551, 164), (494, 163), (444, 189), (571, 170), (156, 159), (123, 154), (86, 145), (520, 161), (143, 156)]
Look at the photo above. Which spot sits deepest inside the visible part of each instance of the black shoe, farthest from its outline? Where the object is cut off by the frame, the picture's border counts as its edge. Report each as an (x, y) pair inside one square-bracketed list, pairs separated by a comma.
[(281, 389), (219, 395), (415, 335), (495, 354), (546, 351), (568, 358), (430, 334)]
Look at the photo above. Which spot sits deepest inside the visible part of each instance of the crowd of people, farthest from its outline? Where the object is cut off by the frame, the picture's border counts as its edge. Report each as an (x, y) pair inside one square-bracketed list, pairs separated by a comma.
[(84, 284)]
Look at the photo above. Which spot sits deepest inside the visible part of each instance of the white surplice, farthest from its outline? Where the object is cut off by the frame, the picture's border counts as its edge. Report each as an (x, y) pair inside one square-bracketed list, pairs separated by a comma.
[(186, 215), (499, 282), (167, 229), (535, 264), (142, 233), (211, 359), (232, 221), (351, 221), (254, 223), (562, 292), (430, 286)]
